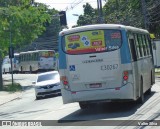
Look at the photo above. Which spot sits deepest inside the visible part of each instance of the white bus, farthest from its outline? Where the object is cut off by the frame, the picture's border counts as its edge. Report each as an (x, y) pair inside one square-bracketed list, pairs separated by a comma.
[(156, 52), (39, 60), (105, 62), (6, 65)]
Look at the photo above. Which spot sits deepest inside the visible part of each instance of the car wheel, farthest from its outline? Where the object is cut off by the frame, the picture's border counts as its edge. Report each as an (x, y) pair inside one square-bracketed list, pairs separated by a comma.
[(83, 105), (38, 97)]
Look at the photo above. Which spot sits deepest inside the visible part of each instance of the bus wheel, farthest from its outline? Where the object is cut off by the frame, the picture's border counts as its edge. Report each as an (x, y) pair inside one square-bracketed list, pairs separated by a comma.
[(30, 69), (83, 105), (10, 70), (21, 69), (141, 99), (149, 90), (4, 71)]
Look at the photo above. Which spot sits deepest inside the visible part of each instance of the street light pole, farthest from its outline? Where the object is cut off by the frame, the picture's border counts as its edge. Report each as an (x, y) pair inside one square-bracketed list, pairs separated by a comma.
[(100, 11), (144, 10), (11, 52)]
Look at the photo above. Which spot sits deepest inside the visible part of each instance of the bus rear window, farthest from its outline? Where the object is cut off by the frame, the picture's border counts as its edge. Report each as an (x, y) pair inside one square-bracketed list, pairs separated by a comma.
[(46, 54), (92, 41)]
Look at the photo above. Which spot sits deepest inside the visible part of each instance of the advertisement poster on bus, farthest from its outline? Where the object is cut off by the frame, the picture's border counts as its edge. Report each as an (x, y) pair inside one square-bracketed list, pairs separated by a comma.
[(85, 42)]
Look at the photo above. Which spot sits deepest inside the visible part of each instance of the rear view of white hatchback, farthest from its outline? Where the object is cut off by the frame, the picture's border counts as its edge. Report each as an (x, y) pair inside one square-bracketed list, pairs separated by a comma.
[(47, 83)]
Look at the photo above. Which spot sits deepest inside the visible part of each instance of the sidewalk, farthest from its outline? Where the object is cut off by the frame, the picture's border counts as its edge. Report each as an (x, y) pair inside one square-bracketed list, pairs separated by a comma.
[(6, 97)]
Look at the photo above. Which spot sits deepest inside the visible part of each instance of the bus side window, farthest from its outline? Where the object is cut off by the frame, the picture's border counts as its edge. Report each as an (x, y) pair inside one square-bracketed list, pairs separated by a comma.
[(137, 46), (144, 46), (22, 58), (140, 44), (148, 44), (133, 49), (36, 56)]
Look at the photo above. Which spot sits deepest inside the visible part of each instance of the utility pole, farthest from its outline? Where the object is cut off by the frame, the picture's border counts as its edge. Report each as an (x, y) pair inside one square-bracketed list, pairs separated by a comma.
[(144, 11), (100, 12), (11, 51)]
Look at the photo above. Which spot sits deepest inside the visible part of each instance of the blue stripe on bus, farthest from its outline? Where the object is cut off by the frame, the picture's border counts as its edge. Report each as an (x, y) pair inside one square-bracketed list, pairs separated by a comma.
[(125, 53), (62, 56)]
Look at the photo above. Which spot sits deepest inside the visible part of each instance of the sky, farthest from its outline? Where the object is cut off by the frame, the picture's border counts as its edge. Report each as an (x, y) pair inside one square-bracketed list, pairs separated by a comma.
[(72, 7)]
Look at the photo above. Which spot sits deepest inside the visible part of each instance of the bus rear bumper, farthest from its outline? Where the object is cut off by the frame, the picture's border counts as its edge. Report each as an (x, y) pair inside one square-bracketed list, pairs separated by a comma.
[(124, 93)]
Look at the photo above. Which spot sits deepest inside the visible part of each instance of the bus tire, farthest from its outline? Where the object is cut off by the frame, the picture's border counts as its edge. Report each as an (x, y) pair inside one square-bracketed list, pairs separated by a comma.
[(149, 90), (152, 79), (10, 70), (30, 69), (141, 98), (83, 105), (21, 69), (4, 71)]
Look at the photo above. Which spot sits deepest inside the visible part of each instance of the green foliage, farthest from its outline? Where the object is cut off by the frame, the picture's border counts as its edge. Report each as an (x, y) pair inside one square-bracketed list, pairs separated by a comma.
[(89, 17), (13, 88), (126, 12), (21, 22)]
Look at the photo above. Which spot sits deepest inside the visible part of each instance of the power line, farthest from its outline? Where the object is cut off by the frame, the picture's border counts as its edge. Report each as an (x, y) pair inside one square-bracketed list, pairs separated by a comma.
[(72, 2), (73, 5)]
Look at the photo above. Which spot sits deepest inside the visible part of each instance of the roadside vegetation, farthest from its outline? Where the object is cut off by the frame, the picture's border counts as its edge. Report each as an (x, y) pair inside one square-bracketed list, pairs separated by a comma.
[(126, 12), (12, 88), (157, 71)]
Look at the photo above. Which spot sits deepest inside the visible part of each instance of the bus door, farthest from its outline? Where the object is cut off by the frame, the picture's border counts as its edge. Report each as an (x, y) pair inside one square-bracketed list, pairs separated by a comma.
[(133, 51)]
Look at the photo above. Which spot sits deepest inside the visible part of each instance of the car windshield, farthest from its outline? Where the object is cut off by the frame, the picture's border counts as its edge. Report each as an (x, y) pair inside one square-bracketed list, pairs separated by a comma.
[(46, 77)]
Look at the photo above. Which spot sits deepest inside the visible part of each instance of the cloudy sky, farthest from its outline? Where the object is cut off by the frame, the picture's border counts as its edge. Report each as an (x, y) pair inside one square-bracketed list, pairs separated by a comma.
[(72, 7)]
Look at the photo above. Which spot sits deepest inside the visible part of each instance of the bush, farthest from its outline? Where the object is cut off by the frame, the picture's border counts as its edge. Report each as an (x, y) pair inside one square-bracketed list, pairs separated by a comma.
[(14, 88)]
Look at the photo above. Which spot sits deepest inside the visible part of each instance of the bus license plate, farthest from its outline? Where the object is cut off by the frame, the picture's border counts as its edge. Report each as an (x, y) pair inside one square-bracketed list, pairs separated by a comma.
[(95, 85)]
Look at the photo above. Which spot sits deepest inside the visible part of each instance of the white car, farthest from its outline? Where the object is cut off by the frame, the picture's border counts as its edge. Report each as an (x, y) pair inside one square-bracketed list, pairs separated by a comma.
[(47, 83)]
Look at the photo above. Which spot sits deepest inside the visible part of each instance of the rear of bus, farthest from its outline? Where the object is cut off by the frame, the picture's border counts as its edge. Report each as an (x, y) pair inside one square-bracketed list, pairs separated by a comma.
[(16, 63), (6, 65), (94, 64), (46, 60)]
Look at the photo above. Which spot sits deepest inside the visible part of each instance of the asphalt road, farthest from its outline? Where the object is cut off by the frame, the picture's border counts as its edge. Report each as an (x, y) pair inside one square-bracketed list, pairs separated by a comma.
[(52, 109)]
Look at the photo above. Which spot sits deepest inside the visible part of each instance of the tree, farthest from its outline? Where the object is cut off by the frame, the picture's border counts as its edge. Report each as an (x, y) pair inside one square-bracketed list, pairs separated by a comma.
[(126, 12), (123, 12), (21, 22), (24, 21), (89, 16)]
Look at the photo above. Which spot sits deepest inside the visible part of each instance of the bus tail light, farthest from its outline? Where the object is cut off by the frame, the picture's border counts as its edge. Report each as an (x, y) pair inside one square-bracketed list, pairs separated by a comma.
[(64, 81), (125, 77)]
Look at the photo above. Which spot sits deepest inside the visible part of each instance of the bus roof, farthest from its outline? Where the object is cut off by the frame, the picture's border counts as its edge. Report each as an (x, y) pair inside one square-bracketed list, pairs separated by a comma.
[(102, 26), (15, 54), (35, 51)]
